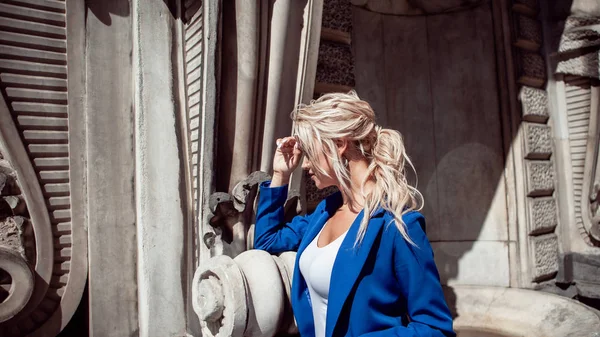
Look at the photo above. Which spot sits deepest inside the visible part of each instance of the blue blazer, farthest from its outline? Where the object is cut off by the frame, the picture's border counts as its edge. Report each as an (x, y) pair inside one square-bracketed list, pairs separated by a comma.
[(382, 287)]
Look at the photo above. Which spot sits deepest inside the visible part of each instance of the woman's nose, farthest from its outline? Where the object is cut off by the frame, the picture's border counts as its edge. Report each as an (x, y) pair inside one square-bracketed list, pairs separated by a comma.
[(305, 163)]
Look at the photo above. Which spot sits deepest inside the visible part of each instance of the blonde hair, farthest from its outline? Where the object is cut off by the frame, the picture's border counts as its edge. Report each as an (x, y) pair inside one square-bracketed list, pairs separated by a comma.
[(337, 116)]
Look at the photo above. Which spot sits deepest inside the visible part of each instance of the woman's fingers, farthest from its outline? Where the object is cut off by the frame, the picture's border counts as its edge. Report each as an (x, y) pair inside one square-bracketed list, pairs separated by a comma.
[(286, 144)]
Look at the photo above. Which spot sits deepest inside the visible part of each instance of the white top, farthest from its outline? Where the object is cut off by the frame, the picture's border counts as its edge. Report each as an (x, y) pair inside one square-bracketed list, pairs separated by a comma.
[(316, 265)]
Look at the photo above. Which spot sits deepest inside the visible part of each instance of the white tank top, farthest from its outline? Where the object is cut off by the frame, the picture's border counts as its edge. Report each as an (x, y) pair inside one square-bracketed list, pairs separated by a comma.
[(316, 265)]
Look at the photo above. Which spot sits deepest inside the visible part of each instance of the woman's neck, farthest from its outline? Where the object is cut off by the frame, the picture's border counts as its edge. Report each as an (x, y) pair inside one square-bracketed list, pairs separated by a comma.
[(358, 174)]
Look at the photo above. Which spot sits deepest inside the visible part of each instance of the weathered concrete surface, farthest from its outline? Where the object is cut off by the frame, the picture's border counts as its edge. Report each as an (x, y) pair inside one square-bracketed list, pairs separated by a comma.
[(519, 312), (159, 172), (110, 156)]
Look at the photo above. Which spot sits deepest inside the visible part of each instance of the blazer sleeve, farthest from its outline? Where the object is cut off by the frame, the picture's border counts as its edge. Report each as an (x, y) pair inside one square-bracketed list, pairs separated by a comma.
[(271, 233), (419, 280)]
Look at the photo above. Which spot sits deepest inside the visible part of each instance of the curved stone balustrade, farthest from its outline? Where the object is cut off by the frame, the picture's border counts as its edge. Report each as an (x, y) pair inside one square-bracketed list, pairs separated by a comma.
[(520, 312), (244, 296), (21, 283)]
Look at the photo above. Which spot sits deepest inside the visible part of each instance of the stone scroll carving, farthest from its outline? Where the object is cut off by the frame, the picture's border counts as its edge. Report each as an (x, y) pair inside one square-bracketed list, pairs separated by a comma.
[(240, 291), (246, 296), (43, 251)]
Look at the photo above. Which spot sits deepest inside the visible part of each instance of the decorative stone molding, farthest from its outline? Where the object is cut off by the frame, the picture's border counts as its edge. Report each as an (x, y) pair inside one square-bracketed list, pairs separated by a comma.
[(193, 57), (588, 197), (544, 253), (534, 104), (244, 296), (335, 64), (579, 50), (538, 143), (542, 215), (37, 40), (540, 178), (540, 253)]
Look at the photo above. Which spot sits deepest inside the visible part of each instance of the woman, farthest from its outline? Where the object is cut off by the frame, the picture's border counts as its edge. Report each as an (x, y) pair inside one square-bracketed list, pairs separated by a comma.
[(364, 265)]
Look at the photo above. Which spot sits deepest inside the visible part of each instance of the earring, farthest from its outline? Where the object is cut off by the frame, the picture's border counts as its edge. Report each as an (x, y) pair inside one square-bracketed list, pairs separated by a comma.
[(345, 161)]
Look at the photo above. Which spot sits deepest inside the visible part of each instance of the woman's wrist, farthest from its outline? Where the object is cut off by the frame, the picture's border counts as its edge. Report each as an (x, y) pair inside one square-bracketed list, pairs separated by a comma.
[(279, 179)]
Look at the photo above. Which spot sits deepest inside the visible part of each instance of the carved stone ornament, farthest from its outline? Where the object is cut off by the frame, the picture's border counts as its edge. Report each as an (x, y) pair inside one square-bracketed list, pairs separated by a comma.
[(240, 291), (591, 179), (246, 296), (233, 216), (579, 48), (43, 243)]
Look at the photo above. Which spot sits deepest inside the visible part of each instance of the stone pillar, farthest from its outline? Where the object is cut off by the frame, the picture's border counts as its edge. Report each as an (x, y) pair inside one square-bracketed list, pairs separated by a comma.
[(111, 169), (160, 197), (261, 51), (284, 52), (241, 42)]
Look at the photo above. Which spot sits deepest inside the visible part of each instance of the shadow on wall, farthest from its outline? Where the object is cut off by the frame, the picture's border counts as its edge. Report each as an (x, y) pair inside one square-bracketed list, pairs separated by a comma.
[(104, 9), (434, 78)]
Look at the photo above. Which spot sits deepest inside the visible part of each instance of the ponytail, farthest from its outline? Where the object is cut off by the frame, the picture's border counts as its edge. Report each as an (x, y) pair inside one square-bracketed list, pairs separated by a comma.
[(392, 191)]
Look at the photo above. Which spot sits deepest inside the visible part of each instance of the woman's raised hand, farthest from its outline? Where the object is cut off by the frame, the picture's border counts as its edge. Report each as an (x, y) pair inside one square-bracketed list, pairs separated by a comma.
[(286, 160)]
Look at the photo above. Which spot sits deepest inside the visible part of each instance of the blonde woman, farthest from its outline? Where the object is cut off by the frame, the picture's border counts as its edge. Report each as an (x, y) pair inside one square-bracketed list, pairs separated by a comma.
[(364, 265)]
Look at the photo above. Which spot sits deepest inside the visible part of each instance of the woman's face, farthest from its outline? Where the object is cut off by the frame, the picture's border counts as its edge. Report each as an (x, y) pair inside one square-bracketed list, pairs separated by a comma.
[(321, 181)]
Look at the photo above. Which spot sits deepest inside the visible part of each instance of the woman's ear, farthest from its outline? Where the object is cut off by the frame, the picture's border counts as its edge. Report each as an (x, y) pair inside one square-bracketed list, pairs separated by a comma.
[(342, 146)]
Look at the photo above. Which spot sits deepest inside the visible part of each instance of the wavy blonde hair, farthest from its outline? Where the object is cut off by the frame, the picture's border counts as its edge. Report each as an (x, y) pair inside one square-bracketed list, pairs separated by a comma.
[(337, 116)]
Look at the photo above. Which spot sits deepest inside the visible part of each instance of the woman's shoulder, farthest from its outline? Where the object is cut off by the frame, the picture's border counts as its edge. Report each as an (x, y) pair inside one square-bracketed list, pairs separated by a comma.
[(413, 221)]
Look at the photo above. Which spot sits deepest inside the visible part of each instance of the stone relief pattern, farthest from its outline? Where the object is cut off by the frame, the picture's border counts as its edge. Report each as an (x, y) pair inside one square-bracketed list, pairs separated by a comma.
[(542, 215), (578, 99), (545, 250), (534, 104), (335, 64), (193, 37), (534, 66), (539, 141), (33, 78), (540, 201), (15, 225), (530, 30), (578, 38), (337, 14)]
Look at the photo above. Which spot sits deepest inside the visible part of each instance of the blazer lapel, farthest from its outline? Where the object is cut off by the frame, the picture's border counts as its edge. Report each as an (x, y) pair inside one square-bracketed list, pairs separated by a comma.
[(348, 265)]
